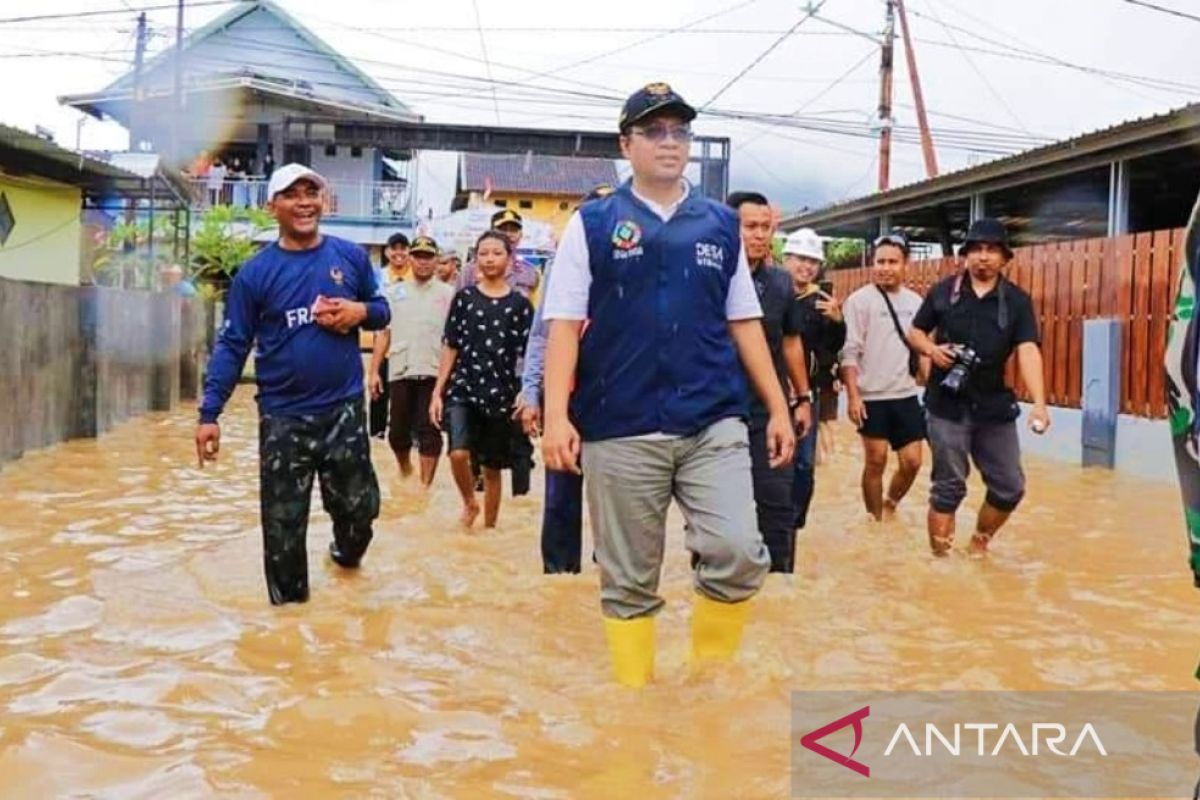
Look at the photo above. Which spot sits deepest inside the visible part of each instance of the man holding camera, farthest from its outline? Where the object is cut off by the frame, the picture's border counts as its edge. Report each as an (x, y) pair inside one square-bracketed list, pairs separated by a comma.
[(980, 319)]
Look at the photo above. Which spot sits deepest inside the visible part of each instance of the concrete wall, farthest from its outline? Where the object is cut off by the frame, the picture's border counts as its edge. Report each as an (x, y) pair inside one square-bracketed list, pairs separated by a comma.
[(45, 241), (1143, 445), (79, 360)]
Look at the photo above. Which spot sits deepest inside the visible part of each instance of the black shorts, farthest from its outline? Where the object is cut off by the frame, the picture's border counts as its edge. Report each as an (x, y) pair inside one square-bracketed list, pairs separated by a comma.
[(488, 438), (900, 422)]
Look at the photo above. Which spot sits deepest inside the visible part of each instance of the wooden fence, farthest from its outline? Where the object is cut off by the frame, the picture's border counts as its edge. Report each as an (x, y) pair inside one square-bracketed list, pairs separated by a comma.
[(1131, 278)]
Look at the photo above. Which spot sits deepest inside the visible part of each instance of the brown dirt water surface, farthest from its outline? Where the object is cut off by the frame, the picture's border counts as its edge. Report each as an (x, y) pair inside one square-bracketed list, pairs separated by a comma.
[(139, 656)]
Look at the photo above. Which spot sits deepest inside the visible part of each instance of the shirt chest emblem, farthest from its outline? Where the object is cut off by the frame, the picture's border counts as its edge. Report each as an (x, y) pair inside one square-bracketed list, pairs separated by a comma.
[(627, 240)]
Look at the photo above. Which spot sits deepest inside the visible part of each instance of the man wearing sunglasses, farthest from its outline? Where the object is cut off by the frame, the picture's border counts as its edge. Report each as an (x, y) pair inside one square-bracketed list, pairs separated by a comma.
[(880, 373), (660, 396)]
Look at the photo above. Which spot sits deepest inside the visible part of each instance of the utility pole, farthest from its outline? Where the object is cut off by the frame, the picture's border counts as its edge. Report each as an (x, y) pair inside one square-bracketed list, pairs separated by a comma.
[(885, 97), (176, 155), (139, 58), (931, 167)]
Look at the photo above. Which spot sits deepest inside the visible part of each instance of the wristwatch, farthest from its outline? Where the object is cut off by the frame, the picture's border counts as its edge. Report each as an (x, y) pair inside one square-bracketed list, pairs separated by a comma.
[(803, 397)]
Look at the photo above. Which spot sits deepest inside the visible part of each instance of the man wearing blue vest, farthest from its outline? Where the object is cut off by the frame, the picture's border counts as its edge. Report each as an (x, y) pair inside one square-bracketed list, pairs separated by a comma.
[(660, 396)]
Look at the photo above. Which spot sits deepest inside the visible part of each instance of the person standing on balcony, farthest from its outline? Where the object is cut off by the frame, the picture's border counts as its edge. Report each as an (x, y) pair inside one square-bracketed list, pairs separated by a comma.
[(237, 180), (299, 303), (824, 332), (395, 269), (216, 183), (781, 326), (479, 376), (412, 346), (969, 325), (660, 400), (880, 371)]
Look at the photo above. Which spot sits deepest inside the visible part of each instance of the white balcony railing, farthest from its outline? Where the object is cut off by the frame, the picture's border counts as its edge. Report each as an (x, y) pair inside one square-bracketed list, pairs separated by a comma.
[(361, 199)]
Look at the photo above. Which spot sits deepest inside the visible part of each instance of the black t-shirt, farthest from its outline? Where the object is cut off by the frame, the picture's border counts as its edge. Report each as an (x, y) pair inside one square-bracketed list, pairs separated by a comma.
[(823, 340), (489, 334), (774, 287), (976, 322)]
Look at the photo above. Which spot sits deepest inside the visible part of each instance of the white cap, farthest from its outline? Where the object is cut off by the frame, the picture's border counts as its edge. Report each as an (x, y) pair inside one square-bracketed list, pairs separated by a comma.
[(288, 174), (804, 242)]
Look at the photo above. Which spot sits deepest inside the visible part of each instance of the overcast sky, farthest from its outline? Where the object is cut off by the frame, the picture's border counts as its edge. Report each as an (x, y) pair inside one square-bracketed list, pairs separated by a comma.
[(982, 61)]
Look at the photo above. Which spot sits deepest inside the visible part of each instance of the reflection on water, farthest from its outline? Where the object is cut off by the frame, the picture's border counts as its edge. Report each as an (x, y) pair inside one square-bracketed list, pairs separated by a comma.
[(139, 656)]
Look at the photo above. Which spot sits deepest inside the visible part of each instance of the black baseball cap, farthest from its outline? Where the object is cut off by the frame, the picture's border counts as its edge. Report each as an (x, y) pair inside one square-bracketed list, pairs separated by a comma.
[(650, 99), (506, 216), (423, 245), (397, 239)]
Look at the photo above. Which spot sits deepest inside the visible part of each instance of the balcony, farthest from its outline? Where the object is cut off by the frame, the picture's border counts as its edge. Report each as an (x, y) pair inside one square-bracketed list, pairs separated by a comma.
[(357, 200)]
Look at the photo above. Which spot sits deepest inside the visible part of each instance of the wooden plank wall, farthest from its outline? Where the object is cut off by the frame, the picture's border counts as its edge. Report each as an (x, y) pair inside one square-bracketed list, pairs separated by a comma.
[(1130, 278)]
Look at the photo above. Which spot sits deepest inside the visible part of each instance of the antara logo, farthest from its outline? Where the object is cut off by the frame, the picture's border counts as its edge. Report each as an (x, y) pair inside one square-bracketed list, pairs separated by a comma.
[(992, 740), (810, 741)]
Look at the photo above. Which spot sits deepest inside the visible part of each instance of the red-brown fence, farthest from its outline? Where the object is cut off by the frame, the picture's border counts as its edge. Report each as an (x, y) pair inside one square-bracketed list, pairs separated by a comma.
[(1131, 278)]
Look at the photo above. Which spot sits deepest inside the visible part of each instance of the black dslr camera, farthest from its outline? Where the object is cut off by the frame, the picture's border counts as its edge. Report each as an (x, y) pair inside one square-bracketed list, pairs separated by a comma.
[(965, 360)]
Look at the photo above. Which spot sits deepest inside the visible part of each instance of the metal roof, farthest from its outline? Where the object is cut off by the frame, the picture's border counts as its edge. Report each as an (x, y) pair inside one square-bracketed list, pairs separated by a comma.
[(23, 153), (215, 52), (535, 174), (1138, 137)]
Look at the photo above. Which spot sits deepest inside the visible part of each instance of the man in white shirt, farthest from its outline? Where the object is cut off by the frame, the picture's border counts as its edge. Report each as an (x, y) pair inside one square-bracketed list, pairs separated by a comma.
[(660, 399), (880, 372)]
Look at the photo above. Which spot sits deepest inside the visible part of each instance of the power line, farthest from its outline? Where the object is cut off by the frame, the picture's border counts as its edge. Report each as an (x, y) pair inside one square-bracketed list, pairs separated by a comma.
[(107, 12), (486, 61), (1164, 10), (970, 61), (812, 10)]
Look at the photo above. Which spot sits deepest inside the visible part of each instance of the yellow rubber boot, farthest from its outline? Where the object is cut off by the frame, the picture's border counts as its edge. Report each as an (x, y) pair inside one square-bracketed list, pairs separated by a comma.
[(717, 629), (631, 642)]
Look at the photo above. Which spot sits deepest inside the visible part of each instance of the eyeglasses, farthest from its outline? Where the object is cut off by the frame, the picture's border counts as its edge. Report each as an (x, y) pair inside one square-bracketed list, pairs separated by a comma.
[(659, 133)]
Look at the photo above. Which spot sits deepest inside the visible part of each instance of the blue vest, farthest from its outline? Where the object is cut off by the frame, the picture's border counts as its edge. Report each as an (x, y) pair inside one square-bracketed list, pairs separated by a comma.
[(657, 355)]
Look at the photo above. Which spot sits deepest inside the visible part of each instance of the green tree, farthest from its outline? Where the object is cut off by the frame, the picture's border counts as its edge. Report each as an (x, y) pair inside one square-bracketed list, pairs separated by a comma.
[(222, 242), (840, 253)]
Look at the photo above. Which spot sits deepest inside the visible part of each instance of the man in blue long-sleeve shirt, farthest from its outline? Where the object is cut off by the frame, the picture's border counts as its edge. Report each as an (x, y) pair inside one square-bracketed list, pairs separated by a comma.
[(562, 515), (301, 301)]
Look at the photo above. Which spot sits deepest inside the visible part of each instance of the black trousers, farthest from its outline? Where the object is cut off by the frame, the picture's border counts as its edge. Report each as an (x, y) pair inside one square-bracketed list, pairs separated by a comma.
[(379, 407), (773, 502), (334, 447)]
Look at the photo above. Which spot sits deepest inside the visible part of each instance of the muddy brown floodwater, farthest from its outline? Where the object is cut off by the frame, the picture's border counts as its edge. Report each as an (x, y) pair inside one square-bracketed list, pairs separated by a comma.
[(139, 656)]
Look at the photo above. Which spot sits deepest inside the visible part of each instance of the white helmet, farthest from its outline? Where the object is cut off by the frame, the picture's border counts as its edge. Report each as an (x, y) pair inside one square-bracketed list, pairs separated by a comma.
[(804, 242)]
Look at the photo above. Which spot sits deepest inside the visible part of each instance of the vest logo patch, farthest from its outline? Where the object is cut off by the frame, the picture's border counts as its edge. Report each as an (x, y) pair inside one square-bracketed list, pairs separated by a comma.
[(627, 240), (710, 255)]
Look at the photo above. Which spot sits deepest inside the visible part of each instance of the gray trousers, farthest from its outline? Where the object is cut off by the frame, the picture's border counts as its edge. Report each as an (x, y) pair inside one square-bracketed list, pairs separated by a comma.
[(996, 451), (629, 488)]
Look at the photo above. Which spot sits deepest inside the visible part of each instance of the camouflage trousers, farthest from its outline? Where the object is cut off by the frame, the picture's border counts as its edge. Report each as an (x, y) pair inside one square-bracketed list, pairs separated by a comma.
[(334, 447)]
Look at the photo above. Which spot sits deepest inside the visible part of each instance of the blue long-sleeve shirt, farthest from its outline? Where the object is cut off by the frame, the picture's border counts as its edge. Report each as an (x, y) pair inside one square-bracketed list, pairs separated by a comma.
[(301, 368), (533, 375)]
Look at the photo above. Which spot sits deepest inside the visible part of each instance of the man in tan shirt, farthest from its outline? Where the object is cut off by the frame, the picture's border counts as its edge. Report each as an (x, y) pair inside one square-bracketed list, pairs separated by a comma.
[(413, 347), (880, 373)]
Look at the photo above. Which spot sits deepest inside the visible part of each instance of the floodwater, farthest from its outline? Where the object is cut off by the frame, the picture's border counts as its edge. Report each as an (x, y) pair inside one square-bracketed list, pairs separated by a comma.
[(139, 656)]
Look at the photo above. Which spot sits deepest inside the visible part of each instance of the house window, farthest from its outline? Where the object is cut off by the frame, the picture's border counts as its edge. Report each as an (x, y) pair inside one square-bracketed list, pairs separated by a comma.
[(563, 206), (331, 151), (526, 204), (356, 152), (502, 203)]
